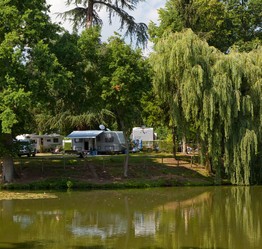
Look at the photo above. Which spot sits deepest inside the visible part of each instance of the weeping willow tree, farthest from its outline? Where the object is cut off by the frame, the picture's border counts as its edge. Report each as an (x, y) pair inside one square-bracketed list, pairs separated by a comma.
[(180, 77), (220, 95), (237, 84)]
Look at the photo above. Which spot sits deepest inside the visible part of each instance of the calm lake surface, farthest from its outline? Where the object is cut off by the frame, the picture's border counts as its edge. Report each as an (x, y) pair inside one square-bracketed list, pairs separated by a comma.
[(161, 218)]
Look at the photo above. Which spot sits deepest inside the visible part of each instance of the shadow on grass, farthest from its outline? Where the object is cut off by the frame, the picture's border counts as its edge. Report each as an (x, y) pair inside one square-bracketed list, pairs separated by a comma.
[(144, 171)]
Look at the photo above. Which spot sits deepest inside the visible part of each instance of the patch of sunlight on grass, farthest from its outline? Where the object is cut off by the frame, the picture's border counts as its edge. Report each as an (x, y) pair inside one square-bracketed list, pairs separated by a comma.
[(8, 195)]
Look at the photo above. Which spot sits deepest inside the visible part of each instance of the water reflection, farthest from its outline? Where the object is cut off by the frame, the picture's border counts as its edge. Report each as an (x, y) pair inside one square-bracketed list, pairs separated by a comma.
[(177, 218)]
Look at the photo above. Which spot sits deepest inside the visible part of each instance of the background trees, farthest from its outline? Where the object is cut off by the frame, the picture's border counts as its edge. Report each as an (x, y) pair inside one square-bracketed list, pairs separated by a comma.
[(85, 14), (79, 106), (221, 23)]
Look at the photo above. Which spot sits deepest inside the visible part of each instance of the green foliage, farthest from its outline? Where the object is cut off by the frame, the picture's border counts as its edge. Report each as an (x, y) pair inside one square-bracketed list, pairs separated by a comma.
[(21, 28), (78, 95), (52, 81), (69, 184), (124, 82), (222, 23), (85, 14), (219, 94), (23, 25)]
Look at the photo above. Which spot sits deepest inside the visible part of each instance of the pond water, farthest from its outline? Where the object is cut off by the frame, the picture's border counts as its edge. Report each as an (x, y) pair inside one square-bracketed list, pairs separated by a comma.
[(159, 218)]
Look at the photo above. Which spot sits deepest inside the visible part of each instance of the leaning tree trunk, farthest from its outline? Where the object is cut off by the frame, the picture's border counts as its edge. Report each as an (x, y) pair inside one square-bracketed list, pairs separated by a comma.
[(8, 162)]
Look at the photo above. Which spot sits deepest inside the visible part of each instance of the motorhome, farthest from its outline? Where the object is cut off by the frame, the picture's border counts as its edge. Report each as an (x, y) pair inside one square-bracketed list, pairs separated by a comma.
[(146, 134), (45, 142), (97, 142), (142, 138)]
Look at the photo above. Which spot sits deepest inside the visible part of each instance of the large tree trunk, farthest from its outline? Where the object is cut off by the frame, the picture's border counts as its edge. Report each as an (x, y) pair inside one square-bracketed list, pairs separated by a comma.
[(8, 169), (89, 14), (8, 162)]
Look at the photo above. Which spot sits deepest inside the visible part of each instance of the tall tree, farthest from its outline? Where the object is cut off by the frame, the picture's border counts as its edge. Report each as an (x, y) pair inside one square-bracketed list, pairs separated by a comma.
[(124, 82), (247, 22), (220, 95), (79, 104), (22, 26), (49, 83), (221, 23), (85, 14)]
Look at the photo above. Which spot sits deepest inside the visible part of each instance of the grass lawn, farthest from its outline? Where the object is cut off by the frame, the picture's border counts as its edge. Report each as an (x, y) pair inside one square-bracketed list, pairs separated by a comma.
[(145, 170)]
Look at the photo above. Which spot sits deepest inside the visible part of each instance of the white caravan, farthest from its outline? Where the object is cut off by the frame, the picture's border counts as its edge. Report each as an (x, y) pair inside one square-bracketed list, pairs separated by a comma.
[(44, 143), (144, 134), (95, 142), (142, 138)]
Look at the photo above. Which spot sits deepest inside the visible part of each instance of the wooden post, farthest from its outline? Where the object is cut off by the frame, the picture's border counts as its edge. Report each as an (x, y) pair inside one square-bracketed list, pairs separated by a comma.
[(20, 164), (42, 165)]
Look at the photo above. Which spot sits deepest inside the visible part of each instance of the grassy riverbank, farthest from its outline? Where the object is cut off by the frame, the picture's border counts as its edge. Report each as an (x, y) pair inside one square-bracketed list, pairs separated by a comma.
[(47, 171)]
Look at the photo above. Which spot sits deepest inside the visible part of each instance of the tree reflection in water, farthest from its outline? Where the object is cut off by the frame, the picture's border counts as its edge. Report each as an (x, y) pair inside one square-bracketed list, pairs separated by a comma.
[(175, 218)]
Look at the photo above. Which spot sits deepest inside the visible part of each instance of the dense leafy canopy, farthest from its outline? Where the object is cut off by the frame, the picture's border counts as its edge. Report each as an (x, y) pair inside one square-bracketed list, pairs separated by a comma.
[(77, 102), (23, 26), (222, 23), (220, 94), (125, 80)]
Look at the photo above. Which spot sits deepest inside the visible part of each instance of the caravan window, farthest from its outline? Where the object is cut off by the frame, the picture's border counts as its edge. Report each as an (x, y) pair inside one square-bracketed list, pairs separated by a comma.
[(109, 138), (34, 141), (55, 140), (78, 140)]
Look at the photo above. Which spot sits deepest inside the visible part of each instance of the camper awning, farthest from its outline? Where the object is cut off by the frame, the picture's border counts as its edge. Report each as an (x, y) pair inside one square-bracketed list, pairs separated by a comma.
[(84, 134)]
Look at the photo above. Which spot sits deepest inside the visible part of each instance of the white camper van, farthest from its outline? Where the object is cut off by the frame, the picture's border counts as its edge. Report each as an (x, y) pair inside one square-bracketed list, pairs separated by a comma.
[(44, 143), (146, 134), (143, 138), (93, 142)]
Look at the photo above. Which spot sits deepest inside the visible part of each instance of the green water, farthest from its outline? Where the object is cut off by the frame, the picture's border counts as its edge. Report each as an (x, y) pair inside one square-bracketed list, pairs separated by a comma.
[(184, 218)]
